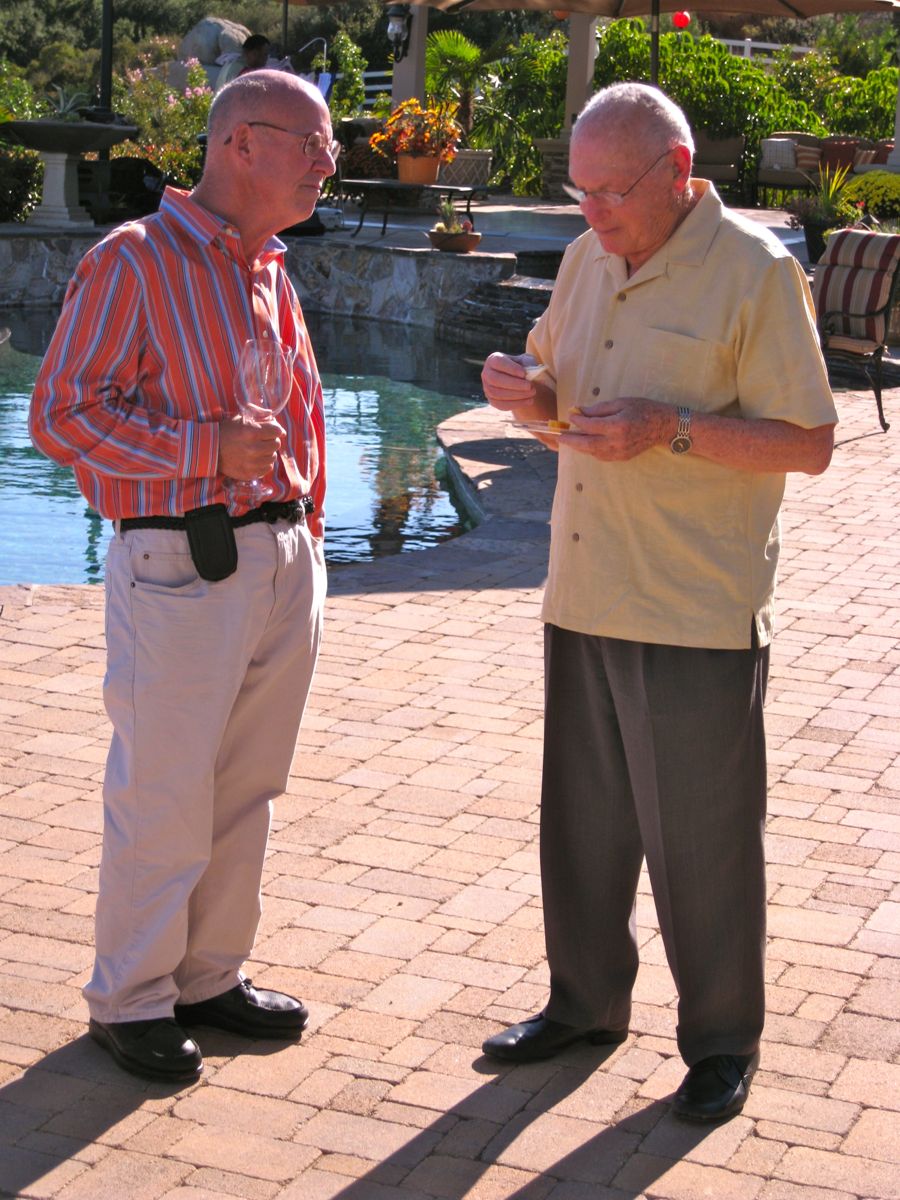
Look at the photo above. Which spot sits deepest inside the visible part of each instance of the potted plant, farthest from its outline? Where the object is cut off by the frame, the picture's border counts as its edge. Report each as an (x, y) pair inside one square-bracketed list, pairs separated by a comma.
[(821, 210), (419, 139), (449, 233)]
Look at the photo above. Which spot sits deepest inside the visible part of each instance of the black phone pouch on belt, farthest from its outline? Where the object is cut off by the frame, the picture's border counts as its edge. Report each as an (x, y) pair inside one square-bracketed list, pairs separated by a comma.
[(211, 538)]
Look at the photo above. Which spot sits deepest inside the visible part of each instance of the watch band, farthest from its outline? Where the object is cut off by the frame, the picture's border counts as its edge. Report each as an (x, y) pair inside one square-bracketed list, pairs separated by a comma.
[(681, 442)]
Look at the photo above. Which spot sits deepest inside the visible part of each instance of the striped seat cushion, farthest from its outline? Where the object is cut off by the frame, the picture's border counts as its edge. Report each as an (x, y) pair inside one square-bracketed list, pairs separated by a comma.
[(853, 280)]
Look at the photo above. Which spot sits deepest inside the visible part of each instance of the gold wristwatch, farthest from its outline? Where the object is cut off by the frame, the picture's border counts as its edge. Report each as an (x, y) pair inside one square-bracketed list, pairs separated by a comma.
[(681, 442)]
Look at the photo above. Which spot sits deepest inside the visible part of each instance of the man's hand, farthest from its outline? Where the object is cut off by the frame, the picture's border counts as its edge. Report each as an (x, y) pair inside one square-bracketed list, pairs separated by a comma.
[(620, 429), (247, 449), (504, 382), (508, 388)]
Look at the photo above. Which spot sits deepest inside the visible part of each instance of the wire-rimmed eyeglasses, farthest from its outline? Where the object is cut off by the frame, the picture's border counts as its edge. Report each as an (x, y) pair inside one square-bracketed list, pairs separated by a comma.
[(312, 143), (612, 199)]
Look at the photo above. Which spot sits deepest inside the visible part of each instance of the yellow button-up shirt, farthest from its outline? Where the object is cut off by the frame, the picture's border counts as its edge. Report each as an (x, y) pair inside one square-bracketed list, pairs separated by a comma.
[(665, 548)]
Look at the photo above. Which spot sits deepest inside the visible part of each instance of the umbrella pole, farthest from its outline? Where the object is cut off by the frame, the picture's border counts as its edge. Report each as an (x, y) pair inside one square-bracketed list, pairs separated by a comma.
[(106, 47), (284, 20), (654, 42)]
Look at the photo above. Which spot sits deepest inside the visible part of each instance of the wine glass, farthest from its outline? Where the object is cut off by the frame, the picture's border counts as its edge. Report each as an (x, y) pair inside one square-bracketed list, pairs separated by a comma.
[(262, 385)]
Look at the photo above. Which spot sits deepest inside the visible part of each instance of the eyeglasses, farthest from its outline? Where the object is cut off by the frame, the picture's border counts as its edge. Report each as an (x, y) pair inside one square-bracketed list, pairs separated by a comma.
[(612, 199), (312, 143)]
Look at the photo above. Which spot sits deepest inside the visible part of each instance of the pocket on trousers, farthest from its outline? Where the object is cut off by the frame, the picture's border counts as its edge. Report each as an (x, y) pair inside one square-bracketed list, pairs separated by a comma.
[(162, 568)]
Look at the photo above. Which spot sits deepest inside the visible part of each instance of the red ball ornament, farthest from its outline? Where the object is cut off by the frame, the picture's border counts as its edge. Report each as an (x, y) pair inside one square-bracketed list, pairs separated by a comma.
[(681, 20)]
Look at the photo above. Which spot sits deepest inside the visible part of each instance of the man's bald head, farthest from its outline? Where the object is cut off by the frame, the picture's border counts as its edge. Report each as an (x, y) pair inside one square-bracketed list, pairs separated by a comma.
[(636, 114), (262, 96)]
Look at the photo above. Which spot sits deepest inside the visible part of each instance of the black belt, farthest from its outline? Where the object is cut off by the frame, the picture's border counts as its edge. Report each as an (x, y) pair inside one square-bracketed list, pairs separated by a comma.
[(271, 511)]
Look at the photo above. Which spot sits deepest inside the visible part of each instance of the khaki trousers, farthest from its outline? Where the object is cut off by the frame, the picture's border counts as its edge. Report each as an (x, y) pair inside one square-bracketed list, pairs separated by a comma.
[(657, 752), (205, 687)]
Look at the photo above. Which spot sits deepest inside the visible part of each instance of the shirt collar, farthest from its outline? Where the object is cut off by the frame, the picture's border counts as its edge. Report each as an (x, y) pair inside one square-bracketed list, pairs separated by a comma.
[(688, 244), (208, 229)]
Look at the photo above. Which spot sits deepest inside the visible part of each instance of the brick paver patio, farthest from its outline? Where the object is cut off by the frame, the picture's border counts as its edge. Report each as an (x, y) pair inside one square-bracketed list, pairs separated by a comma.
[(402, 896)]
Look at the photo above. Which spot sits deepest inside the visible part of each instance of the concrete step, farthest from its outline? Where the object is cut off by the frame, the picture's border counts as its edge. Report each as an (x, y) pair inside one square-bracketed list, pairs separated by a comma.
[(496, 316)]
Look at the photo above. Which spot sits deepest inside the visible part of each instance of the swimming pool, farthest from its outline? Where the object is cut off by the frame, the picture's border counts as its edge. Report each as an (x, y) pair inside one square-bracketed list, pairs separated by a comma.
[(386, 388)]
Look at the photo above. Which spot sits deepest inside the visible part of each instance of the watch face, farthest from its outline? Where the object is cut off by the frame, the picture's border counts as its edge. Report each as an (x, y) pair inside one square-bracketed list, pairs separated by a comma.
[(681, 445)]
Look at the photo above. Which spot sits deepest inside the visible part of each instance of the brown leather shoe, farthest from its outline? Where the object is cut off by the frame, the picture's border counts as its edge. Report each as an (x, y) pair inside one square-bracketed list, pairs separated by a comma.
[(538, 1037), (249, 1011), (155, 1049), (715, 1088)]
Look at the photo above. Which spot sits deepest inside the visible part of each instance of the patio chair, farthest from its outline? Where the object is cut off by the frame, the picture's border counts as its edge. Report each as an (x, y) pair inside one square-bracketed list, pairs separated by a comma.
[(854, 287), (718, 159)]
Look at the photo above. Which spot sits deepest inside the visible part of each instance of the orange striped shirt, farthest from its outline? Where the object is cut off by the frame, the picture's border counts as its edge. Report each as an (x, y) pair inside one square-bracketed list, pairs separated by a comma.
[(140, 369)]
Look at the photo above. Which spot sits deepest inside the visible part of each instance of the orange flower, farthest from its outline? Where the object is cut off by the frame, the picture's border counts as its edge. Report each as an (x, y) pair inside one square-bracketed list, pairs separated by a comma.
[(412, 129)]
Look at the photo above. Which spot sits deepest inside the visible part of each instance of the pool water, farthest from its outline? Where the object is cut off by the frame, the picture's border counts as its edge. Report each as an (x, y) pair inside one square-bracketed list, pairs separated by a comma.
[(386, 390)]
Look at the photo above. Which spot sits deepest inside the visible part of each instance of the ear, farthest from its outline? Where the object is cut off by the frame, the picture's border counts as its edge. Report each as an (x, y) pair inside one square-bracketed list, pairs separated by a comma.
[(240, 140), (681, 157)]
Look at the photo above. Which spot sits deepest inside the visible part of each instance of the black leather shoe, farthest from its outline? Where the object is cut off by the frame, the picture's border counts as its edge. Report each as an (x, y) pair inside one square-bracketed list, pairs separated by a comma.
[(539, 1037), (715, 1088), (156, 1049), (248, 1010)]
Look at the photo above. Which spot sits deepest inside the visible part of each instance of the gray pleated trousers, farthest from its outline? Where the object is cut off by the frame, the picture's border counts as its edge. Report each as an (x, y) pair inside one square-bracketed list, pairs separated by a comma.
[(657, 752)]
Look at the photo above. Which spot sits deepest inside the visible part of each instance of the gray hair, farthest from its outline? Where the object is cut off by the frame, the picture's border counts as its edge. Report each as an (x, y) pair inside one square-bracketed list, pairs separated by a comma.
[(635, 110)]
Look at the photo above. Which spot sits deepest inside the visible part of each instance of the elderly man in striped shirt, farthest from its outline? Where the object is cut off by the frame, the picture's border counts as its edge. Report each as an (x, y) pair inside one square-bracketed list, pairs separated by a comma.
[(213, 607)]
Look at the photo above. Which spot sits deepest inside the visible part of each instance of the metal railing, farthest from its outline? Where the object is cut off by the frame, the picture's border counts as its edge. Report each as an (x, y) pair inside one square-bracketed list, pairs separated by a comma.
[(760, 51)]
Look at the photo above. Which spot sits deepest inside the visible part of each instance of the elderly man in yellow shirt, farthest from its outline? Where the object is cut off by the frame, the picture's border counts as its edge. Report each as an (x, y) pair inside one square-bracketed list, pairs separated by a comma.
[(680, 346)]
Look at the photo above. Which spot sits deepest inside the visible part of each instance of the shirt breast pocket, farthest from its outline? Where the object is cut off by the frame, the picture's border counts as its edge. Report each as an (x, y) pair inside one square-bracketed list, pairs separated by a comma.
[(670, 367)]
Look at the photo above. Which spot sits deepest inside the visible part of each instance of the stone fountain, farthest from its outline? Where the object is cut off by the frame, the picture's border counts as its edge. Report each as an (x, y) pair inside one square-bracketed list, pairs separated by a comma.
[(61, 144)]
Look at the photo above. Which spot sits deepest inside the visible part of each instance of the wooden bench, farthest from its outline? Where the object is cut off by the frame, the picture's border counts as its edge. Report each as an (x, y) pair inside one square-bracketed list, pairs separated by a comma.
[(379, 195)]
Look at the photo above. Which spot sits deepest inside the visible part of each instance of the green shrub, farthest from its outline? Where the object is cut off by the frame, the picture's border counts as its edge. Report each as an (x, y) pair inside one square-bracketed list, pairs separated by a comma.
[(21, 174), (721, 93), (865, 107), (17, 98), (878, 191), (349, 92), (523, 99), (168, 121)]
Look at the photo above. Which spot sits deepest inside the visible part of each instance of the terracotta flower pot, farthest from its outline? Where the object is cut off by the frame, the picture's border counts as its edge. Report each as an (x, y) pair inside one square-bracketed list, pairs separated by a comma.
[(418, 168), (456, 243)]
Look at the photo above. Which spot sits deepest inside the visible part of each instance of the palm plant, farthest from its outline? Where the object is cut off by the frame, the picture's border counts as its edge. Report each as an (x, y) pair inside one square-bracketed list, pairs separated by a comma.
[(455, 68)]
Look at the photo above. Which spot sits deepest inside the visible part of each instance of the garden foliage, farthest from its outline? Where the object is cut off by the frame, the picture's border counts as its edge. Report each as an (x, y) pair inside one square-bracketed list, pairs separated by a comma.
[(21, 171), (878, 192), (523, 99), (168, 120), (349, 91)]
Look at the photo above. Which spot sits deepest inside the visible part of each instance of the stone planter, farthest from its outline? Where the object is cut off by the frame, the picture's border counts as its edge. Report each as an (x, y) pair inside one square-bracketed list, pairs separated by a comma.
[(470, 168), (456, 243)]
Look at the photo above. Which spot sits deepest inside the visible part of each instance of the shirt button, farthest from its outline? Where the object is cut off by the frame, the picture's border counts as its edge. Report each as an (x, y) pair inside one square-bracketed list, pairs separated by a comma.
[(608, 344), (576, 537), (579, 487), (621, 296), (595, 391)]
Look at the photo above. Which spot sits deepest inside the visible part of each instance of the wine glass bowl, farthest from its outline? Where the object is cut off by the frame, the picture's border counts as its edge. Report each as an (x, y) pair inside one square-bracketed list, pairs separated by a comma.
[(263, 379)]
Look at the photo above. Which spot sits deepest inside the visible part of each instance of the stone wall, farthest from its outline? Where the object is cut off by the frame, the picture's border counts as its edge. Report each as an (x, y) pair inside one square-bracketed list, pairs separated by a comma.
[(35, 268), (554, 167), (407, 286), (330, 275)]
